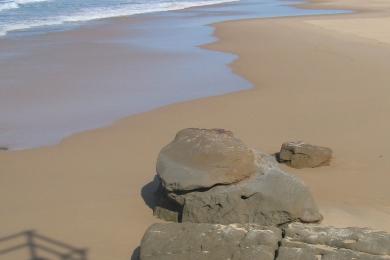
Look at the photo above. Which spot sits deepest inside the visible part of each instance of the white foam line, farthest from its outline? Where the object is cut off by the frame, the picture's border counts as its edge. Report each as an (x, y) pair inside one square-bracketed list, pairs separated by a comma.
[(23, 2), (17, 3), (8, 6), (102, 13)]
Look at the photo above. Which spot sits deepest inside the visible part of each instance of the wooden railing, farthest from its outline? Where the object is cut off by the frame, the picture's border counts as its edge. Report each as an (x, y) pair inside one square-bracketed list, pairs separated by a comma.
[(38, 245)]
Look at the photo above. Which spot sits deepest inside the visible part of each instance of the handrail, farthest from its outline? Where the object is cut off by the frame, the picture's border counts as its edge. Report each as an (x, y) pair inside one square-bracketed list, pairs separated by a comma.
[(82, 254), (55, 242), (49, 250), (2, 239), (10, 249), (34, 244)]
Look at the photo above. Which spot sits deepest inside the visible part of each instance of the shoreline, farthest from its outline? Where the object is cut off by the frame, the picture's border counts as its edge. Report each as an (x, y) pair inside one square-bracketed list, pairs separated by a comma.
[(77, 25), (106, 70), (69, 24), (98, 178)]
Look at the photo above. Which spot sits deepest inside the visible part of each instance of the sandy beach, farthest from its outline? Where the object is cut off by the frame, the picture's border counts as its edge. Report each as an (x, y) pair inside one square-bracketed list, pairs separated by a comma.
[(322, 79)]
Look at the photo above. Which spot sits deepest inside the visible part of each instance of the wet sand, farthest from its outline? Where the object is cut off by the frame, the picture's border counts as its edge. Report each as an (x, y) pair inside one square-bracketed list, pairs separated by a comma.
[(314, 81), (55, 84), (60, 83)]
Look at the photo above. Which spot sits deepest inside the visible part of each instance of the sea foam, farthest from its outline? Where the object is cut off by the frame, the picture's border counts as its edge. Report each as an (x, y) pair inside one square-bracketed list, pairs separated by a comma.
[(94, 13), (22, 2), (8, 5)]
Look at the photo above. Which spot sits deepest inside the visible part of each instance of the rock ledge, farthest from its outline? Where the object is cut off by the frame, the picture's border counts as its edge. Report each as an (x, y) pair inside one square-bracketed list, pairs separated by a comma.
[(295, 241)]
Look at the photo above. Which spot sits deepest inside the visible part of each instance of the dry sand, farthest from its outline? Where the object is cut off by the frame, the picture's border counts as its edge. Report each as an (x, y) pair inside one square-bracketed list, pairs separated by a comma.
[(324, 80)]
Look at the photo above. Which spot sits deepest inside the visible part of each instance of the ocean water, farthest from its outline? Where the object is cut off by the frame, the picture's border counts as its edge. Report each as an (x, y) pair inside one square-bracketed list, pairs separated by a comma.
[(29, 14), (53, 85)]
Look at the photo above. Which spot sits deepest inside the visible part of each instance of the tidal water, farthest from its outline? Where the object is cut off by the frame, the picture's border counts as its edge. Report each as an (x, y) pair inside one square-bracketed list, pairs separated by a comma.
[(32, 14), (54, 84)]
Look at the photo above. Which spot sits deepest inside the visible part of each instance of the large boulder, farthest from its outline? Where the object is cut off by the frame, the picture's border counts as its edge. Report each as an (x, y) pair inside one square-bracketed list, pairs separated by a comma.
[(209, 242), (268, 196), (303, 155), (313, 242), (202, 158)]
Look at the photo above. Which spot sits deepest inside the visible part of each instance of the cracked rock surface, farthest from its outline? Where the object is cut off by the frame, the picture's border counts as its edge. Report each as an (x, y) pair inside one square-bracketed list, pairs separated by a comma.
[(318, 242), (295, 241), (189, 241)]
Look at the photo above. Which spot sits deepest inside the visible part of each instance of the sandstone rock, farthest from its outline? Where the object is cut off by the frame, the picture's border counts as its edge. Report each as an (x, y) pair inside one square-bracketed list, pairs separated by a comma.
[(202, 158), (295, 241), (302, 155), (269, 197), (209, 242), (318, 242)]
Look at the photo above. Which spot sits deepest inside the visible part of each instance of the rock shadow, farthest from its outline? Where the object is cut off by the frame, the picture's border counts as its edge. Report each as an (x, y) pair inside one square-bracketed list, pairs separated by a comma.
[(148, 192), (277, 157), (157, 199), (136, 254)]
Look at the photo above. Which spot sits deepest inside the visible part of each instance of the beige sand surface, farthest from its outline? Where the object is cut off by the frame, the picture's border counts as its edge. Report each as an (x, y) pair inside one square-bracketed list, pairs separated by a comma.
[(376, 6), (373, 21), (376, 29), (324, 86)]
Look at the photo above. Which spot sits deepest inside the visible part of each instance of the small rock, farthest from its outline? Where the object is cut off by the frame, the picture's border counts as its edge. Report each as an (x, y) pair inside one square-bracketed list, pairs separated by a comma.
[(303, 155)]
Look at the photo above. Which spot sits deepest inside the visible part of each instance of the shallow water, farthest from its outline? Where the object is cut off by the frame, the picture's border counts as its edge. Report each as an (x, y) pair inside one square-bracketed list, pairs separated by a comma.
[(56, 84), (24, 14)]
